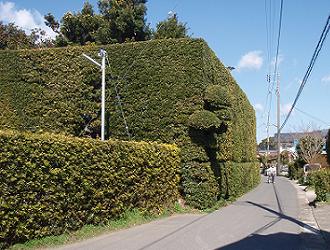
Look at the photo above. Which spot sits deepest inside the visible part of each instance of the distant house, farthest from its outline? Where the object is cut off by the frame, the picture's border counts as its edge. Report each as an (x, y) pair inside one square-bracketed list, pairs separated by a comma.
[(288, 145), (289, 141)]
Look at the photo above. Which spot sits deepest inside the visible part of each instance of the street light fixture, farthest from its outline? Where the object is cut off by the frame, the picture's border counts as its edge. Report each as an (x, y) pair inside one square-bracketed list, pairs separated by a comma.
[(102, 54)]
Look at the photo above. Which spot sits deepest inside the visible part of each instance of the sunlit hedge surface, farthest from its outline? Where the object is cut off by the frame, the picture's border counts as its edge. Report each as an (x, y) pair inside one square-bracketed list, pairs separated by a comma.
[(172, 91), (51, 183)]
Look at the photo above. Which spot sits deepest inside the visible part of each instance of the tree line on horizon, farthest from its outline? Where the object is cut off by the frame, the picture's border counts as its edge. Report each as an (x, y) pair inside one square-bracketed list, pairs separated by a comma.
[(118, 21)]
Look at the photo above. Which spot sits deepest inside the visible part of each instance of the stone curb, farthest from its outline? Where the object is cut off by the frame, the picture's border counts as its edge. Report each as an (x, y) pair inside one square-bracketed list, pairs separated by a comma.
[(310, 233)]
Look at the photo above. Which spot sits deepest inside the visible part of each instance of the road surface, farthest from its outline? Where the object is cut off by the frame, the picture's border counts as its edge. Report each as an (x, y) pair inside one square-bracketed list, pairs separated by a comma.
[(265, 218)]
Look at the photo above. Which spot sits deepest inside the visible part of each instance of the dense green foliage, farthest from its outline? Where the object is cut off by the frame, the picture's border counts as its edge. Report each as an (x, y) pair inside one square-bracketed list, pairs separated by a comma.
[(52, 183), (328, 147), (81, 27), (204, 119), (161, 83), (12, 37), (125, 19), (171, 28), (119, 21), (321, 181), (263, 145), (238, 178)]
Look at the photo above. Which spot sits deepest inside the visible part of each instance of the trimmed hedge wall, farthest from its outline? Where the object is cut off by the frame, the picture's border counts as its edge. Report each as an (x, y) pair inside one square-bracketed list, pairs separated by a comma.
[(162, 84), (52, 183), (238, 178)]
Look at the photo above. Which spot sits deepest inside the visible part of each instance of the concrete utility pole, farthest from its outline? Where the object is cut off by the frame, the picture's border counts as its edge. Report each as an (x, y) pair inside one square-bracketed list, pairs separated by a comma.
[(102, 54), (278, 126)]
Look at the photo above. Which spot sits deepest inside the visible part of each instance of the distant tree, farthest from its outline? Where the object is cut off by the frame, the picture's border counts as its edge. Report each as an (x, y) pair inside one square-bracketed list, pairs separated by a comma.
[(39, 39), (310, 146), (263, 144), (328, 146), (125, 20), (119, 21), (51, 22), (171, 28), (12, 37), (80, 28)]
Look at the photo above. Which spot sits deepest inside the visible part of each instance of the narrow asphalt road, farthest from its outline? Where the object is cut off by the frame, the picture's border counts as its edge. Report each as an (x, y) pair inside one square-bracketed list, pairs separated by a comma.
[(265, 218)]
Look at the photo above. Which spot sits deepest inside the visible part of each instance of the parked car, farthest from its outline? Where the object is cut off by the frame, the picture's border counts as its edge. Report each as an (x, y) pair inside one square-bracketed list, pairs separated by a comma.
[(284, 170)]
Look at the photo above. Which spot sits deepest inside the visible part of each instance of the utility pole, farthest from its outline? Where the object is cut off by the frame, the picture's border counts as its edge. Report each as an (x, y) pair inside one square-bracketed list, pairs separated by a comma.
[(267, 154), (278, 125), (102, 54)]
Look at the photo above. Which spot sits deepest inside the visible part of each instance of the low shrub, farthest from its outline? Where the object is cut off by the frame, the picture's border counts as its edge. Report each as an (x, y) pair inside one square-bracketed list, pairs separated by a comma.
[(51, 183), (321, 181), (296, 171)]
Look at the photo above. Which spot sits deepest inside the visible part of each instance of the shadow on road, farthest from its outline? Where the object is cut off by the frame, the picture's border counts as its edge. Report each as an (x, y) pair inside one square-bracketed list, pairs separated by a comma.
[(277, 241), (285, 217), (173, 232), (280, 241)]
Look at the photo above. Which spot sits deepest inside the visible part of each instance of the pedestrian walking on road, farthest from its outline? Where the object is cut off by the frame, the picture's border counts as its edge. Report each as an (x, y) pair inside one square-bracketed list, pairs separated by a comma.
[(272, 172)]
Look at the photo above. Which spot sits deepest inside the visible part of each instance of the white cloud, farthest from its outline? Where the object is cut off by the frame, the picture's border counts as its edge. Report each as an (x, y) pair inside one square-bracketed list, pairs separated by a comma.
[(25, 19), (326, 79), (258, 107), (251, 61), (285, 109)]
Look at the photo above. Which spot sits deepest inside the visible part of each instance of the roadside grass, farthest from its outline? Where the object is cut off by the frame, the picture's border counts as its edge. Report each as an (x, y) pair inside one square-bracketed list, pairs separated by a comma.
[(328, 198), (128, 219), (219, 204)]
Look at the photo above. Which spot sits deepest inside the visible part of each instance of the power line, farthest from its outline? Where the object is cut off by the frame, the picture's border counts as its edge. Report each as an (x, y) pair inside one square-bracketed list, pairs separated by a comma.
[(313, 117), (278, 40), (120, 106), (310, 67), (276, 78), (268, 17)]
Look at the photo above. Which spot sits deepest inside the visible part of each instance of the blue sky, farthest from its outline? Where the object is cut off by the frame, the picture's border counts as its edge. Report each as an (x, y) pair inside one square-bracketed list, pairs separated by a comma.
[(236, 31)]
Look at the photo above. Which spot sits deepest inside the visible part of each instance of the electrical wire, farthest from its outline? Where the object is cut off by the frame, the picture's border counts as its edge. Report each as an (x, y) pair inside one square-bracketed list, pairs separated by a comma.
[(278, 42), (270, 32), (120, 104), (310, 67), (313, 117)]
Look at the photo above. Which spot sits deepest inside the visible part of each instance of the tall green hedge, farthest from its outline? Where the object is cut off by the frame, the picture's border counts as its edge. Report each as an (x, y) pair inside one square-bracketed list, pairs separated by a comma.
[(172, 91), (52, 183)]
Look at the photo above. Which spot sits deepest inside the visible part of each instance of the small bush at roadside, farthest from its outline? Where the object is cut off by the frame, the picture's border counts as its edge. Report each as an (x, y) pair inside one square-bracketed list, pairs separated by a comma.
[(321, 181)]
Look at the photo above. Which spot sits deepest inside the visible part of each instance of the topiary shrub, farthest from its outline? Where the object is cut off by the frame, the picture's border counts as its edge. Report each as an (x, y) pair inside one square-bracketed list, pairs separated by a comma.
[(204, 120), (217, 97)]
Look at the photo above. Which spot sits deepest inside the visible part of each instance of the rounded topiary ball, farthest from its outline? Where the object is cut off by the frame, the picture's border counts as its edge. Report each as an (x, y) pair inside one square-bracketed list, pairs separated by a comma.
[(204, 120), (217, 96)]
